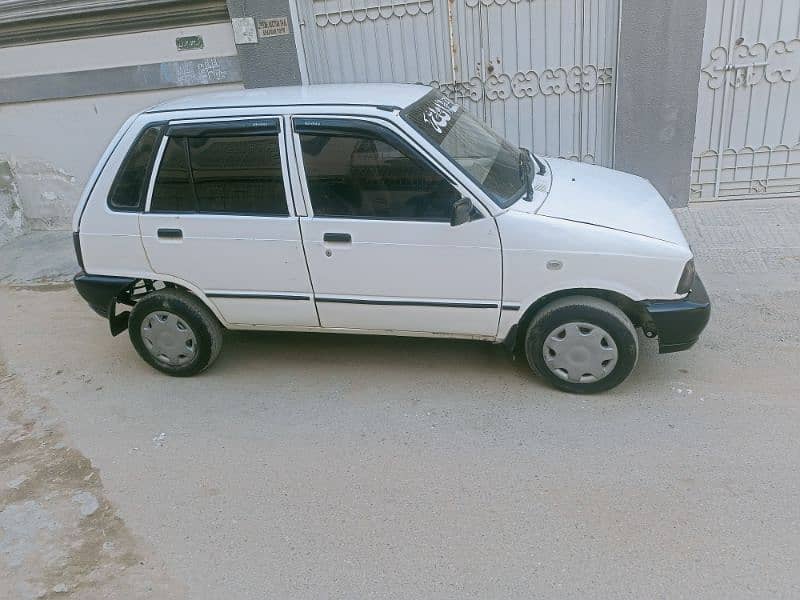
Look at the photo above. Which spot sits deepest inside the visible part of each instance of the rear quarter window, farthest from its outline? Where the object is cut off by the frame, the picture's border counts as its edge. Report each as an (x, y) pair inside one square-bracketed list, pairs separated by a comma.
[(130, 184)]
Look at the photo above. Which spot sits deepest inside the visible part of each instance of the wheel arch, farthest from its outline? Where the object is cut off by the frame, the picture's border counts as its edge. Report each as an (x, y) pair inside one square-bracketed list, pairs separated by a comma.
[(192, 289), (119, 322), (631, 308)]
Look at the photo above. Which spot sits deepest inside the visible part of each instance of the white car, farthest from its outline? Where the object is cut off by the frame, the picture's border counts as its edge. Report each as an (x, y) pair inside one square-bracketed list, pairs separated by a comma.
[(375, 209)]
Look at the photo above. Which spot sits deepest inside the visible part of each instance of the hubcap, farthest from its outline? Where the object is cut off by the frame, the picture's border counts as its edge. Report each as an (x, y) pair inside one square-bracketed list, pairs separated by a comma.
[(168, 338), (580, 352)]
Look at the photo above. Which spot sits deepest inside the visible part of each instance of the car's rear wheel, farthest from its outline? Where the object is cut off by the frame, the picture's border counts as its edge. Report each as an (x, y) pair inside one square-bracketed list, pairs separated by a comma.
[(582, 344), (175, 332)]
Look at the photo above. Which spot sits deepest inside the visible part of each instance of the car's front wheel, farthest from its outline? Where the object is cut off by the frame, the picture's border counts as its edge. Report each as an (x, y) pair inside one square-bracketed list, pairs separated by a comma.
[(175, 332), (582, 344)]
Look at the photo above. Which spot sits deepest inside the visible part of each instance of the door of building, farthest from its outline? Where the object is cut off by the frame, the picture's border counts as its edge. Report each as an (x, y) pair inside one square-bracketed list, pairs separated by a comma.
[(540, 72), (747, 136)]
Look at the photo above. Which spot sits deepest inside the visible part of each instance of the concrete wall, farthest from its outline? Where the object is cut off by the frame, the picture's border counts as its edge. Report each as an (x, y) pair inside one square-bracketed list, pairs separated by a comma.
[(273, 60), (11, 221), (52, 147), (48, 148), (658, 73), (118, 50)]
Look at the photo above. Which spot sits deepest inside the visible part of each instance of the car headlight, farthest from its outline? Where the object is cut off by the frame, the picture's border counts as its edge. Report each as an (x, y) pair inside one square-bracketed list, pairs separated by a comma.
[(687, 277)]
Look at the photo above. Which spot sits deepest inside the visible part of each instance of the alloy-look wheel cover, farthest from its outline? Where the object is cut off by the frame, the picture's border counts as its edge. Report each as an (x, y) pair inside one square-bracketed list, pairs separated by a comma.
[(168, 338), (580, 352)]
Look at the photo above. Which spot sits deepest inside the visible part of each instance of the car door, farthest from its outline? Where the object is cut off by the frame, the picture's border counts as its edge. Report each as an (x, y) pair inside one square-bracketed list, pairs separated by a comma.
[(380, 248), (218, 217)]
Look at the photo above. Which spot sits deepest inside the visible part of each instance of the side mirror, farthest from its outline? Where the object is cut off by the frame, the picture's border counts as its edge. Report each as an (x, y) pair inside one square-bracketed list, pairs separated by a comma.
[(460, 211)]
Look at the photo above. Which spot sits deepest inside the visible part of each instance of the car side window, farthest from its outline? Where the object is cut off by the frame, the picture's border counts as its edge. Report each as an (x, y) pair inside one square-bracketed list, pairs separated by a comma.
[(362, 176), (224, 174), (173, 189), (127, 191)]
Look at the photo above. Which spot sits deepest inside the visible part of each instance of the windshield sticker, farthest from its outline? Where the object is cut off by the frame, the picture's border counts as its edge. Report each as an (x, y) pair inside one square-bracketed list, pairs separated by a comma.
[(439, 114)]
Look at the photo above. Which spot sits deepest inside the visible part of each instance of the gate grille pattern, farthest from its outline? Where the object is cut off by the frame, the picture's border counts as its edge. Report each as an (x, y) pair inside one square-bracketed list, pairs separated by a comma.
[(747, 139), (541, 72)]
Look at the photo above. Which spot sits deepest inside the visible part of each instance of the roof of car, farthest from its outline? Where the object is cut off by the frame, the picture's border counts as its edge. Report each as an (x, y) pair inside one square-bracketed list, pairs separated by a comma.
[(352, 94)]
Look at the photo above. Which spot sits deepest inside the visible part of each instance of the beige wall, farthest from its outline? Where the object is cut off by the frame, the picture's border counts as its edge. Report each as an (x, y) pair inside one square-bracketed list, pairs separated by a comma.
[(51, 146), (114, 51)]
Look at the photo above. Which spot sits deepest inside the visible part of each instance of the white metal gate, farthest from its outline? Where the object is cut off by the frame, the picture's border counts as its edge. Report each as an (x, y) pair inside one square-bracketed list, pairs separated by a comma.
[(747, 139), (541, 72)]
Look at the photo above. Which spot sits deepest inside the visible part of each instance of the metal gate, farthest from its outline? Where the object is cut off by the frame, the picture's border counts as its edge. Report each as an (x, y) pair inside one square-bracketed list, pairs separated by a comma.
[(541, 72), (747, 138)]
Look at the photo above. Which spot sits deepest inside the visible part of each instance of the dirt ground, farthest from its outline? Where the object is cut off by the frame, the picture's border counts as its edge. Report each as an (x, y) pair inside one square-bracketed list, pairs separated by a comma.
[(310, 465), (60, 533)]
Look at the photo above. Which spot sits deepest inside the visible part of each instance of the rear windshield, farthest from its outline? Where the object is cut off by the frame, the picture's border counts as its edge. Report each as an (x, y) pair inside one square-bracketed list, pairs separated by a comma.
[(488, 159)]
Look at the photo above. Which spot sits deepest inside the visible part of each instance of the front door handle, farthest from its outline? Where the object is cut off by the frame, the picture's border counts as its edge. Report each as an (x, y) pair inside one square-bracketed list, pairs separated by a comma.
[(337, 237), (172, 234)]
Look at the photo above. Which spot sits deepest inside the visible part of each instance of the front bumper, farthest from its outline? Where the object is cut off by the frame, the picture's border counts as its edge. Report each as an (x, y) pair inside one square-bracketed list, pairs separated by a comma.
[(678, 323)]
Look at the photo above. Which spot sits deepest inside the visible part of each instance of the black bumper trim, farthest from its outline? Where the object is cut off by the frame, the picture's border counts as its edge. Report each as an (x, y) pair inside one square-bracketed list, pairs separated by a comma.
[(101, 291), (678, 323)]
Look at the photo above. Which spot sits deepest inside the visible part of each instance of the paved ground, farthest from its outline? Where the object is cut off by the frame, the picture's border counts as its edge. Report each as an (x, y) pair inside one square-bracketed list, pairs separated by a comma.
[(309, 466), (39, 258)]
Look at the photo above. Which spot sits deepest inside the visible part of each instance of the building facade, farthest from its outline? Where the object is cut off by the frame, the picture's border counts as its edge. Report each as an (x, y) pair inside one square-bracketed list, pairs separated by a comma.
[(72, 71), (698, 97)]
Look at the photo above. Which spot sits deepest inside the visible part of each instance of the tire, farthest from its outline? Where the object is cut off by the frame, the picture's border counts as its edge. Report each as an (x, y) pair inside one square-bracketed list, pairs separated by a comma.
[(582, 345), (191, 339)]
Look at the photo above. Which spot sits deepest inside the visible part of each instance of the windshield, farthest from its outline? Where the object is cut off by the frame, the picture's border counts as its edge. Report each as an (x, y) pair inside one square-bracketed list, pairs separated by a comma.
[(486, 157)]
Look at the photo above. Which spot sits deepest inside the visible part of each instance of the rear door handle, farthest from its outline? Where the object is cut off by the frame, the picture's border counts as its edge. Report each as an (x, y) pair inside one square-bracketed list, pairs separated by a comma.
[(337, 237), (173, 234)]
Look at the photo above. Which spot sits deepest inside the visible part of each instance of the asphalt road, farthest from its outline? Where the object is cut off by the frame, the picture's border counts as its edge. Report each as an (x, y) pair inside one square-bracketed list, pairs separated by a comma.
[(323, 466)]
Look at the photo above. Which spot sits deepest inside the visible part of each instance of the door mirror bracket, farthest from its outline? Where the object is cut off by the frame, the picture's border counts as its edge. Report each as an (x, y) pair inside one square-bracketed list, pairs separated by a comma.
[(461, 211)]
